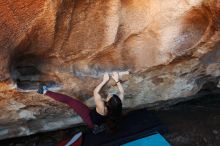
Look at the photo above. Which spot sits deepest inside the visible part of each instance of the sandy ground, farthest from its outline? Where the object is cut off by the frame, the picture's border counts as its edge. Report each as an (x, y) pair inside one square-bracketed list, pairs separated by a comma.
[(194, 123)]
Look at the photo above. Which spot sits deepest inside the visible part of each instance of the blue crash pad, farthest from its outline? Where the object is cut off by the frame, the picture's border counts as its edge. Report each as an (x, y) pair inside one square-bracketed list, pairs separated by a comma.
[(153, 140)]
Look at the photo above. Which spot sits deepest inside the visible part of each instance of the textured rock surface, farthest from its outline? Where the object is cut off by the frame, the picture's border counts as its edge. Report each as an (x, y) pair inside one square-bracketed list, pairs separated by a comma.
[(171, 49)]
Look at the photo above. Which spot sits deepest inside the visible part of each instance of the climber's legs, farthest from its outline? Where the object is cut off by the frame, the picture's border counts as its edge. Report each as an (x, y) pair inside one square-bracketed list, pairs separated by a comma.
[(80, 108)]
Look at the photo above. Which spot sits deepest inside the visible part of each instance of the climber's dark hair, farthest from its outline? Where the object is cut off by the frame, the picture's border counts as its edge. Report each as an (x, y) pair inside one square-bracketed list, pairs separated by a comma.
[(114, 107)]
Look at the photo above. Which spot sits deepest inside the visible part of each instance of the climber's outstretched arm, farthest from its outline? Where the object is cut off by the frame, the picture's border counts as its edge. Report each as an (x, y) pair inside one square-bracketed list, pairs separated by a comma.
[(115, 76), (100, 106)]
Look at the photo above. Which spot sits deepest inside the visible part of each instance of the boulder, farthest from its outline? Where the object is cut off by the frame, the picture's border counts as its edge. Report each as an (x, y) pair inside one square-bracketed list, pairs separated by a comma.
[(170, 48)]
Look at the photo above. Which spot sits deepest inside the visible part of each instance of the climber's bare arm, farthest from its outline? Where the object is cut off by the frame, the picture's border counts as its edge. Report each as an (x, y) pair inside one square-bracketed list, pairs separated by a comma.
[(115, 76), (100, 106), (121, 95)]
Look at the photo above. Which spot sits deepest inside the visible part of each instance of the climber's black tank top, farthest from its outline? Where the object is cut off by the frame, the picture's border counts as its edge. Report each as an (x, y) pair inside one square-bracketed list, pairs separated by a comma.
[(97, 118)]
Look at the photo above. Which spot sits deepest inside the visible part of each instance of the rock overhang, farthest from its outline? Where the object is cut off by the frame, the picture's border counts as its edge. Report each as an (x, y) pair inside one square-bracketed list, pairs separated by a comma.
[(169, 47)]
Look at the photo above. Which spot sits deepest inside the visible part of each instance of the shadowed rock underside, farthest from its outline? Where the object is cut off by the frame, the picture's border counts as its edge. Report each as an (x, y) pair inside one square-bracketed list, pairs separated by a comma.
[(171, 49)]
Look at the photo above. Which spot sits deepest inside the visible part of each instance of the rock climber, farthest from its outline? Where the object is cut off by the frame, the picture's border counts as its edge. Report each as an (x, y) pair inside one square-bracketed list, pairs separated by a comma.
[(105, 116)]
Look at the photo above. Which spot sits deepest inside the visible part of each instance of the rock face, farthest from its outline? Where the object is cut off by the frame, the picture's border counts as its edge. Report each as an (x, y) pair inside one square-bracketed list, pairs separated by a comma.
[(171, 49)]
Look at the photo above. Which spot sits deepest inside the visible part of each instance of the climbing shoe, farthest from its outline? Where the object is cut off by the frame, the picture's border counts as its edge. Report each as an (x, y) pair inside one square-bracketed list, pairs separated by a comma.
[(42, 89)]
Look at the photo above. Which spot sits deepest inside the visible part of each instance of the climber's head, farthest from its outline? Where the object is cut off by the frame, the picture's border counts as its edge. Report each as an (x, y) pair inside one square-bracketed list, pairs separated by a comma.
[(114, 105)]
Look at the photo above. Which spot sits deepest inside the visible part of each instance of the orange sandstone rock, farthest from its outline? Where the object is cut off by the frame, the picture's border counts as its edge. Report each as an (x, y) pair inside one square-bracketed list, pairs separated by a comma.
[(171, 48)]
